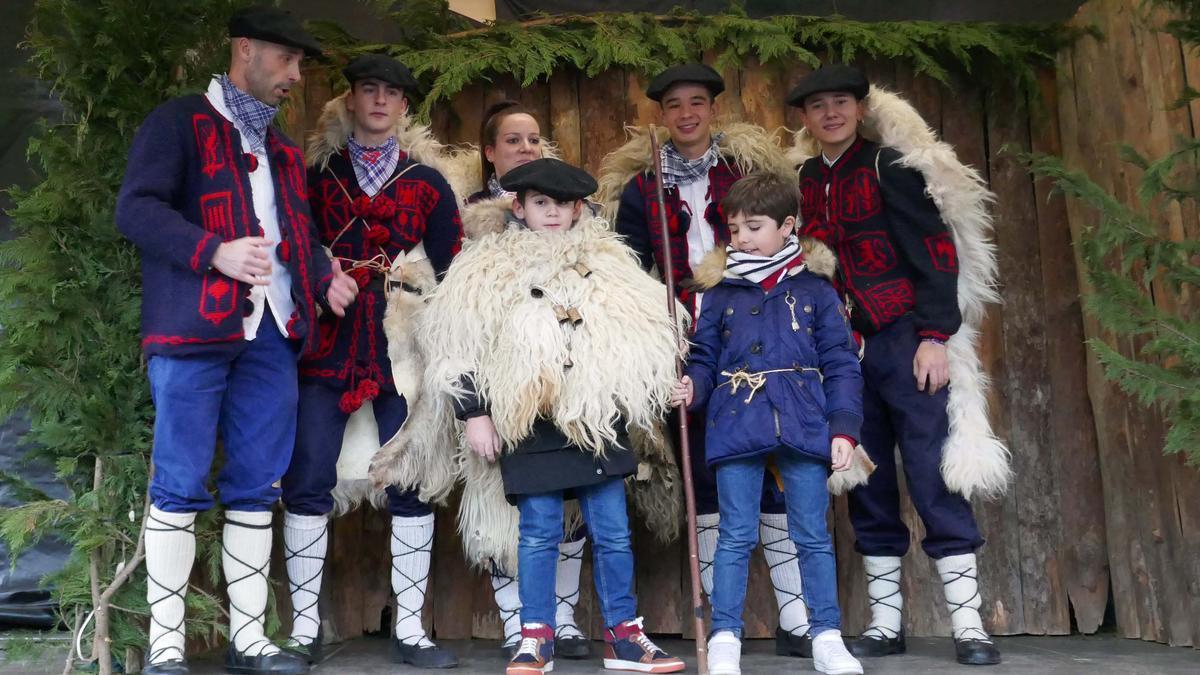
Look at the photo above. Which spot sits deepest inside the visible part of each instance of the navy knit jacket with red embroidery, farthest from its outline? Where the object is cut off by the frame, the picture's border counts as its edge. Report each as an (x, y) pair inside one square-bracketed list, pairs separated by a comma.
[(186, 190), (895, 254), (418, 206), (638, 220)]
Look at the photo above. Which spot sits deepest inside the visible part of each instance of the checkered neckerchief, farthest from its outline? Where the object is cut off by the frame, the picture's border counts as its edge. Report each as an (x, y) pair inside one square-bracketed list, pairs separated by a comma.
[(252, 115), (373, 165), (676, 170)]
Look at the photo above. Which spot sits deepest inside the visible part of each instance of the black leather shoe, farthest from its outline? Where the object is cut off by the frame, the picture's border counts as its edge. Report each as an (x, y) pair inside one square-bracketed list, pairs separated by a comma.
[(177, 667), (423, 657), (313, 652), (976, 653), (872, 646), (790, 644), (279, 663), (573, 647), (509, 651)]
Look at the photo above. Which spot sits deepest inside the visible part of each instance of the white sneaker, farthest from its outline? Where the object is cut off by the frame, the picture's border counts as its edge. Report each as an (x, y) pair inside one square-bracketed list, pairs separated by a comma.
[(724, 654), (830, 655)]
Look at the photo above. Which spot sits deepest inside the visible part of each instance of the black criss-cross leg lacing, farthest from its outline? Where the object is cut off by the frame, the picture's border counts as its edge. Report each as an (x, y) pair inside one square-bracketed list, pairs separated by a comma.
[(969, 633), (501, 582), (571, 628), (881, 632), (256, 647), (302, 553), (706, 565), (161, 654), (779, 547), (402, 583)]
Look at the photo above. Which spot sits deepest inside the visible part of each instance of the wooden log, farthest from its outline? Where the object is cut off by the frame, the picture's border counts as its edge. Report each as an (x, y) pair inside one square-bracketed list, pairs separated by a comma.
[(762, 94), (602, 116), (564, 127)]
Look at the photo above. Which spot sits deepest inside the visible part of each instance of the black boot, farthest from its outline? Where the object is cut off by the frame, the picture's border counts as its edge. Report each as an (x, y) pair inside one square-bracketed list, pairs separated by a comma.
[(279, 663), (875, 645), (976, 652), (432, 656), (175, 667), (790, 644)]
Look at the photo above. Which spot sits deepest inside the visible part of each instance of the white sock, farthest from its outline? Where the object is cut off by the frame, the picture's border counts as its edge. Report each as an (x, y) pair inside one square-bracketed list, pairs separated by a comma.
[(170, 552), (566, 588), (707, 525), (305, 540), (246, 556), (960, 582), (508, 601), (883, 592), (412, 548), (780, 552)]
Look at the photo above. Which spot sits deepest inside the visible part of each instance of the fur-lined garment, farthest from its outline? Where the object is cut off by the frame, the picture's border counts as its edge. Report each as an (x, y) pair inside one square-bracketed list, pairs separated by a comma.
[(499, 315), (974, 461)]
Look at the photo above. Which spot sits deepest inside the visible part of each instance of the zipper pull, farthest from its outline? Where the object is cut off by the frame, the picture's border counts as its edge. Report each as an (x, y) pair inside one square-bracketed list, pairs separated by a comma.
[(791, 303)]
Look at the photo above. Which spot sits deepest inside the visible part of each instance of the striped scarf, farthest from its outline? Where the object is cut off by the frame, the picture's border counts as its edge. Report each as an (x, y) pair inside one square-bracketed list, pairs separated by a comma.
[(755, 268)]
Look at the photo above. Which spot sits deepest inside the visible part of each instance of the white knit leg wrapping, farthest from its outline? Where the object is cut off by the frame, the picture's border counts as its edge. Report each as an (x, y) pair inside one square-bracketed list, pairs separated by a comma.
[(566, 588), (246, 557), (508, 601), (780, 552), (170, 552), (305, 541), (412, 550), (707, 525), (883, 593), (960, 580)]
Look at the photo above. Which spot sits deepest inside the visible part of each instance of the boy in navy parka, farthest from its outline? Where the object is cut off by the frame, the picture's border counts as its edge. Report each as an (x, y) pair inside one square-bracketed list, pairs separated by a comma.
[(774, 361)]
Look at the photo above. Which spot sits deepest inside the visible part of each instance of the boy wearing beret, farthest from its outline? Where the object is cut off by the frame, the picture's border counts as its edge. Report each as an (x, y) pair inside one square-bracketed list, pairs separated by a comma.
[(899, 272), (382, 214), (233, 273)]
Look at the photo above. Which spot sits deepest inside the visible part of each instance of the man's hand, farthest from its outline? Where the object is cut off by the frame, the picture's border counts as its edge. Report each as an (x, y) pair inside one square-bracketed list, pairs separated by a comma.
[(841, 453), (342, 290), (247, 259), (682, 392), (482, 437), (930, 364)]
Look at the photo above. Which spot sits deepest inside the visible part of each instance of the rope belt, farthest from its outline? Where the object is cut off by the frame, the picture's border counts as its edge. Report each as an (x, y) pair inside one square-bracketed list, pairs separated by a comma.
[(755, 380)]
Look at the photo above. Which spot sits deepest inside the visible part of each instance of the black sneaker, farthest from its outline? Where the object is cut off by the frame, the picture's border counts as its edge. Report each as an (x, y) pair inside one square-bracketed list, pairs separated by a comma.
[(790, 644), (976, 652)]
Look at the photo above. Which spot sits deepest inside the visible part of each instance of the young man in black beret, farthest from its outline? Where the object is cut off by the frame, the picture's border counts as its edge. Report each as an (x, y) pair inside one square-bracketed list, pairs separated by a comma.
[(383, 215), (233, 273), (899, 272), (698, 166)]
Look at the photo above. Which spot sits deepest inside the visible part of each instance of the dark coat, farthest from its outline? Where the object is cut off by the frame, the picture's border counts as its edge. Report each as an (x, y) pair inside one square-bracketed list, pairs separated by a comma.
[(741, 328)]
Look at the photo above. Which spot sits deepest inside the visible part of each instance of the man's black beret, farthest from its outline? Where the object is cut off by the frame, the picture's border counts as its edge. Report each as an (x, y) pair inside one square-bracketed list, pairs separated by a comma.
[(837, 78), (382, 68), (273, 25), (697, 73), (551, 177)]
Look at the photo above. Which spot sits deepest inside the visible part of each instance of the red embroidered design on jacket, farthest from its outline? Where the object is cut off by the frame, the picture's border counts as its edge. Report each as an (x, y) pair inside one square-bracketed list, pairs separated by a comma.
[(890, 300), (942, 252), (871, 254), (858, 196), (208, 142)]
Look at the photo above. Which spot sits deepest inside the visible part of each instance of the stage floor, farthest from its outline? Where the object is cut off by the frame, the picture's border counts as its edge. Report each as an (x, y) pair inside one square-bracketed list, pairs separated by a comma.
[(1076, 655)]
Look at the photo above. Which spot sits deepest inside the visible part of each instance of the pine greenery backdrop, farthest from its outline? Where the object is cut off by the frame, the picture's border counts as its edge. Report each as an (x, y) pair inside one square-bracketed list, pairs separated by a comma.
[(69, 285)]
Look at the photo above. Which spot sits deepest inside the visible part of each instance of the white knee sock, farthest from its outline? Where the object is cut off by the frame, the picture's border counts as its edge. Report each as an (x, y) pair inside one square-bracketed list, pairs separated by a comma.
[(883, 592), (170, 552), (707, 525), (780, 553), (412, 548), (566, 588), (245, 556), (960, 582), (305, 540), (508, 601)]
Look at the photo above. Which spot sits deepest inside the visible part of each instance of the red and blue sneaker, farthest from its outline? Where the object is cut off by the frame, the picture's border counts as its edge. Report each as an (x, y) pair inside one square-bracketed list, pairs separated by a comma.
[(535, 654), (626, 647)]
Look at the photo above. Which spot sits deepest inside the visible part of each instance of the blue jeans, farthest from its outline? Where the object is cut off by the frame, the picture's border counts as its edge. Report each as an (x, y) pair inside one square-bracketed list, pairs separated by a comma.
[(739, 486), (603, 507), (250, 395)]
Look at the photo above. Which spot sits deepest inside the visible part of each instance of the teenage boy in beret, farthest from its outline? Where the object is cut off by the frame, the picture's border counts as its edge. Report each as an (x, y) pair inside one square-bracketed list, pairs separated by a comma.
[(898, 270), (698, 166), (232, 274)]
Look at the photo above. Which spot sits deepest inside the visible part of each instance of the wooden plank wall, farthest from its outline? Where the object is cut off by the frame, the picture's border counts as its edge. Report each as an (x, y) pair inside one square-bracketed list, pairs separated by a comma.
[(1120, 91), (1093, 496)]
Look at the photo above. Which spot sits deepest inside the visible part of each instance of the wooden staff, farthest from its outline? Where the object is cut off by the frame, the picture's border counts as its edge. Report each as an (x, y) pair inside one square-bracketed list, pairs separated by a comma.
[(689, 492)]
